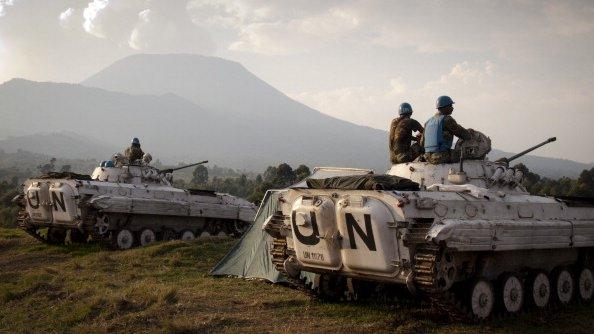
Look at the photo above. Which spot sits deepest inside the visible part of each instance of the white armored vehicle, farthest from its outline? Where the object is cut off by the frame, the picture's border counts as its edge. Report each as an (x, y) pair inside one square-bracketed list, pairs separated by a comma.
[(126, 205), (466, 236)]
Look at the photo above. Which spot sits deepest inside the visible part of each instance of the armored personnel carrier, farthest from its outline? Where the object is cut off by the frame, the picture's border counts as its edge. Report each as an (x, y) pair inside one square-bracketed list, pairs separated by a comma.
[(467, 236), (126, 205)]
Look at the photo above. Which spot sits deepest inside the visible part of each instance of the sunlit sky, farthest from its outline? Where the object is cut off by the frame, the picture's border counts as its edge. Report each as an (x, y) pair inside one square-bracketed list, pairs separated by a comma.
[(520, 71)]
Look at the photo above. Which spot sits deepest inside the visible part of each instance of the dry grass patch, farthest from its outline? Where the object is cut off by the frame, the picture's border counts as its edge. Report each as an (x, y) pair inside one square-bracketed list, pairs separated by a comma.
[(166, 287)]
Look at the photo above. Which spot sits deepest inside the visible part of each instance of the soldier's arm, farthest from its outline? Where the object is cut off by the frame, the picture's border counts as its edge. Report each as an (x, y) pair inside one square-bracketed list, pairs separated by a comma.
[(450, 124), (392, 133), (417, 126)]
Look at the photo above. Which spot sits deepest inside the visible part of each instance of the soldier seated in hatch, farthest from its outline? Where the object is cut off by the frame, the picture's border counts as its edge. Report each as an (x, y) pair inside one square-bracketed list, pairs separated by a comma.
[(440, 131), (134, 152), (401, 136)]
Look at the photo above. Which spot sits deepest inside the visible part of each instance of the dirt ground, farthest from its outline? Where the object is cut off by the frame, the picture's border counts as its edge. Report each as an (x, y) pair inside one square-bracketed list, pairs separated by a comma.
[(166, 288)]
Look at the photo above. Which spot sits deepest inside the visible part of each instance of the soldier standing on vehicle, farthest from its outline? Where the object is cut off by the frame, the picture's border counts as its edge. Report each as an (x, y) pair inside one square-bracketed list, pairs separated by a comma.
[(440, 131), (134, 152), (401, 136)]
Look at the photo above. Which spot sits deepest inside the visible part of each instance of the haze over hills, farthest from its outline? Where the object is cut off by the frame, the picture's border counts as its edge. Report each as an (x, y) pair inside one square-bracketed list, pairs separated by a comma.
[(63, 144), (190, 107), (175, 129)]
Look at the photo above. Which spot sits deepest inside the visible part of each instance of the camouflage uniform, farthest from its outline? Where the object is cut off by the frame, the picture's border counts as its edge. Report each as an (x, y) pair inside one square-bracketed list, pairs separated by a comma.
[(133, 153), (401, 131), (450, 129)]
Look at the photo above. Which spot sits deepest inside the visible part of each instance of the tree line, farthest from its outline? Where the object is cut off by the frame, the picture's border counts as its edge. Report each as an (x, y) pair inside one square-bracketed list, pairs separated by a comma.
[(252, 189)]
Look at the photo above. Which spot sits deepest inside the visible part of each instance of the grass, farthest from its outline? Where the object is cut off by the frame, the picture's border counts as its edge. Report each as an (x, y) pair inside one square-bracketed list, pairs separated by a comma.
[(166, 287)]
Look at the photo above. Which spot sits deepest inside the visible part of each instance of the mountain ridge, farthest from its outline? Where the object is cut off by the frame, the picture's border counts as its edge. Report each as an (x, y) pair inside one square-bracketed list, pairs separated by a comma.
[(191, 107)]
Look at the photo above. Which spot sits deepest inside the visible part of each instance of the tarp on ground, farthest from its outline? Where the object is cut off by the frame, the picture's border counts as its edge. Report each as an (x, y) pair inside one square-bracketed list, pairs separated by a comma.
[(250, 257)]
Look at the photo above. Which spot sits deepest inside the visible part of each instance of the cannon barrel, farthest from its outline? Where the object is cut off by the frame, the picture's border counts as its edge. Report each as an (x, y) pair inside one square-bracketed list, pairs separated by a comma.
[(514, 157), (171, 170)]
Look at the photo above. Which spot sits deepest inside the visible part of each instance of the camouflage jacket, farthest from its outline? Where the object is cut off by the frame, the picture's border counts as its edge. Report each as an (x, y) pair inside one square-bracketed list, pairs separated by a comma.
[(401, 132), (133, 153)]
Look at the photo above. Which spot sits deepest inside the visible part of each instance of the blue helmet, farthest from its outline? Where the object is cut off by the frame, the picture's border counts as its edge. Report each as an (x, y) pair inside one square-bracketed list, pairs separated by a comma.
[(135, 141), (443, 101), (405, 109)]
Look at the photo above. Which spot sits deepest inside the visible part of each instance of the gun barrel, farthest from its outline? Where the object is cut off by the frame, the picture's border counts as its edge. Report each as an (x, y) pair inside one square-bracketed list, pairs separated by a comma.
[(171, 170), (514, 157)]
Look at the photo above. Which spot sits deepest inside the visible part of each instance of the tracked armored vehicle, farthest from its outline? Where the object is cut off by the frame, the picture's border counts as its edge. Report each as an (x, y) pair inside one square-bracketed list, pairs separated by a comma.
[(467, 236), (126, 205)]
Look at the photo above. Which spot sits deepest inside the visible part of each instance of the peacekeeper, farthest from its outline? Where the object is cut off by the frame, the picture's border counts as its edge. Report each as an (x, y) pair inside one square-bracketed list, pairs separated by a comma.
[(134, 152), (401, 136), (440, 131)]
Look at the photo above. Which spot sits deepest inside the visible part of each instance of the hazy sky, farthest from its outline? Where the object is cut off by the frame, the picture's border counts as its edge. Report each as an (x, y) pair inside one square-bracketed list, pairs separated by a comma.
[(520, 71)]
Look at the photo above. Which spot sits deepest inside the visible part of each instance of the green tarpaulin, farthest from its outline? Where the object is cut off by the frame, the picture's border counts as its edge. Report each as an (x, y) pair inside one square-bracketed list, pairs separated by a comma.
[(363, 182), (250, 258)]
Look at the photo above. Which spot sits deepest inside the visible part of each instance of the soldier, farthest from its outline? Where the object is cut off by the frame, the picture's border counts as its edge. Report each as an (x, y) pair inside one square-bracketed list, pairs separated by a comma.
[(440, 131), (134, 152), (47, 168), (401, 136)]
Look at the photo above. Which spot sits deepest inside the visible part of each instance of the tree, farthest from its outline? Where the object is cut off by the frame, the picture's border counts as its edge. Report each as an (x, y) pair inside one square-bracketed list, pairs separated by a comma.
[(285, 176), (200, 175), (302, 172), (270, 174)]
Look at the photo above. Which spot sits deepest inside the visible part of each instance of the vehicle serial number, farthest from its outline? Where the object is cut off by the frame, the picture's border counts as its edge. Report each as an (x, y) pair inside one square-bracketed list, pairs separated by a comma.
[(313, 256)]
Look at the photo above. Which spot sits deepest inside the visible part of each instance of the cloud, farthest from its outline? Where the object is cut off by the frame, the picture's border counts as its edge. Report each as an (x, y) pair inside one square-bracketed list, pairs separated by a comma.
[(65, 17), (136, 42), (295, 35), (160, 29), (471, 82), (463, 74), (91, 14), (365, 105), (148, 26), (4, 4)]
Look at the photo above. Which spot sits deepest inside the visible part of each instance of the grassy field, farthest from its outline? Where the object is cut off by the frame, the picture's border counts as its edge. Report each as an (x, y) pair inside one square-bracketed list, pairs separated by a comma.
[(166, 288)]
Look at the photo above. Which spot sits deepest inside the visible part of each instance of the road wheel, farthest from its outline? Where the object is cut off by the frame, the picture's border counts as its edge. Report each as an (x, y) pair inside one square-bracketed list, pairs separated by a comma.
[(77, 236), (205, 234), (585, 284), (188, 235), (539, 291), (482, 299), (147, 236), (124, 239), (511, 293), (214, 228), (563, 286), (56, 236)]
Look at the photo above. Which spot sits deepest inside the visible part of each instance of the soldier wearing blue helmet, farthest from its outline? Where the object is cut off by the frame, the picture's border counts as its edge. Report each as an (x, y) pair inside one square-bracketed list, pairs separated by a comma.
[(401, 136), (440, 131), (134, 152)]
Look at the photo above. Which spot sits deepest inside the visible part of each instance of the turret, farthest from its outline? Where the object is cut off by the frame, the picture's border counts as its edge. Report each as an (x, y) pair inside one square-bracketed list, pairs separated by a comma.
[(137, 174), (472, 169)]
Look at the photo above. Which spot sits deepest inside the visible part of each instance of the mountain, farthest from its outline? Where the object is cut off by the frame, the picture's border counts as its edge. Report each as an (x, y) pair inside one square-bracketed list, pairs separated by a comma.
[(64, 144), (227, 87), (175, 129), (213, 83), (190, 107)]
